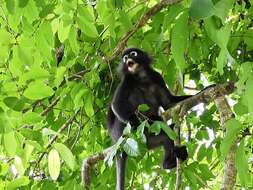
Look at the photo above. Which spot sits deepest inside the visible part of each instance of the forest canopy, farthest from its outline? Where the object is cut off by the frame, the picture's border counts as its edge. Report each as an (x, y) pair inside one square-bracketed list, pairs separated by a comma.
[(58, 72)]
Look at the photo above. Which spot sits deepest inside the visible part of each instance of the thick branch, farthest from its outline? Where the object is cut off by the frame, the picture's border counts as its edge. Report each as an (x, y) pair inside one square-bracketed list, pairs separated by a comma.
[(205, 96), (229, 178), (89, 163), (143, 20)]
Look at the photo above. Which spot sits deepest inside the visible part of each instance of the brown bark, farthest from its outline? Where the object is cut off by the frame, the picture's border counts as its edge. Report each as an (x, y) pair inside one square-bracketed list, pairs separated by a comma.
[(229, 176)]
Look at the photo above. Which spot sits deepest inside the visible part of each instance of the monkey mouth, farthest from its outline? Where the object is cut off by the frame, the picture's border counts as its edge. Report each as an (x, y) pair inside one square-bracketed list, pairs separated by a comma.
[(132, 66), (130, 63)]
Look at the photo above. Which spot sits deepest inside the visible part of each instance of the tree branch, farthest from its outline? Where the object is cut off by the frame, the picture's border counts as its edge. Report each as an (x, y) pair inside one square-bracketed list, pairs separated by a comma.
[(205, 96), (229, 178), (143, 20), (89, 163)]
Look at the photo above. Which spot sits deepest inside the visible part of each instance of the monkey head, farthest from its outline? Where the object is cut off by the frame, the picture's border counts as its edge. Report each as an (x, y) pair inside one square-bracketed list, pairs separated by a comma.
[(134, 60)]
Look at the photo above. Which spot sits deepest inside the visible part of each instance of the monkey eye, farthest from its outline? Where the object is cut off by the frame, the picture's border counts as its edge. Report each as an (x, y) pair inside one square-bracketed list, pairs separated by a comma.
[(133, 53), (125, 58)]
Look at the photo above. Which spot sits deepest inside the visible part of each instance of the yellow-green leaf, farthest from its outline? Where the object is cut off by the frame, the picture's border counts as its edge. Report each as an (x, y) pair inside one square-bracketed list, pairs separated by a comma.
[(38, 90), (54, 164), (66, 155)]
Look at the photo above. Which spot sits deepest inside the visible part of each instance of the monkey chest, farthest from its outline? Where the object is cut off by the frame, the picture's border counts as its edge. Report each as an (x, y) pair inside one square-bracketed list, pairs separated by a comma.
[(148, 94)]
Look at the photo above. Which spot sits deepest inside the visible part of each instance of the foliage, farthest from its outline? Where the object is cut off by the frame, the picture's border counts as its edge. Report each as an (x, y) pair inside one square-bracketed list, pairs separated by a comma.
[(53, 113)]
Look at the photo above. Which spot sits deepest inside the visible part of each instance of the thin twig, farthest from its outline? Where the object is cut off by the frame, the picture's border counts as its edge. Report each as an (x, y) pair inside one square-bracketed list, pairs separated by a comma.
[(143, 20), (55, 137), (50, 106)]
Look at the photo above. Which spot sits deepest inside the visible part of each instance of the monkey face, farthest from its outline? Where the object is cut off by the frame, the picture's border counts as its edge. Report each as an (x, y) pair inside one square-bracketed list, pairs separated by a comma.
[(134, 60)]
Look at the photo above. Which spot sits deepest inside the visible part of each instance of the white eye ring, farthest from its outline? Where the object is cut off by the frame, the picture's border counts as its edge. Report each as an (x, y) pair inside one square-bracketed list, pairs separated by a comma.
[(125, 58), (133, 53)]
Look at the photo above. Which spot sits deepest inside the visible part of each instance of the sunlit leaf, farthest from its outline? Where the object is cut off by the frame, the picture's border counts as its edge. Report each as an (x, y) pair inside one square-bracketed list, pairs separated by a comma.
[(54, 164), (17, 183), (59, 75), (179, 42), (32, 118), (38, 90), (64, 29), (131, 147), (10, 143), (88, 104), (85, 22), (143, 107), (66, 155)]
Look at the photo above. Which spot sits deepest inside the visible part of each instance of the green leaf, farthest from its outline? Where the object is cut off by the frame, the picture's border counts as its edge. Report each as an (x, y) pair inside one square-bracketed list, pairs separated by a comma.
[(131, 147), (171, 133), (10, 5), (32, 118), (240, 108), (248, 39), (88, 104), (34, 144), (45, 40), (19, 163), (155, 128), (66, 155), (64, 28), (201, 152), (201, 9), (249, 93), (127, 129), (241, 164), (59, 75), (35, 72), (232, 129), (157, 125), (220, 36), (32, 134), (19, 182), (73, 39), (14, 103), (179, 42), (5, 37), (10, 143), (22, 3), (54, 164), (222, 8), (38, 90), (143, 107), (206, 173), (85, 22)]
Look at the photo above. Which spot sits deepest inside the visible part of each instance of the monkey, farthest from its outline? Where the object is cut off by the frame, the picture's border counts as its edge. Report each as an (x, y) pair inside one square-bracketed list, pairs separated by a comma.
[(141, 84)]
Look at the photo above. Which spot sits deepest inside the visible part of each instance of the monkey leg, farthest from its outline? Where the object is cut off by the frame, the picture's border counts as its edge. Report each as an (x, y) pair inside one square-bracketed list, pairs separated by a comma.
[(171, 152), (169, 160)]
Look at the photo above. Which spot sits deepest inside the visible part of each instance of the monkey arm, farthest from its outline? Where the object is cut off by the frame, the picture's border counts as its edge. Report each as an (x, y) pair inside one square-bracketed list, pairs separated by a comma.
[(121, 106)]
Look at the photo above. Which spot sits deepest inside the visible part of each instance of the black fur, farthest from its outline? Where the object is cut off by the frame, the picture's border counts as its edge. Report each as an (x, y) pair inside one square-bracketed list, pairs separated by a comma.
[(141, 86)]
